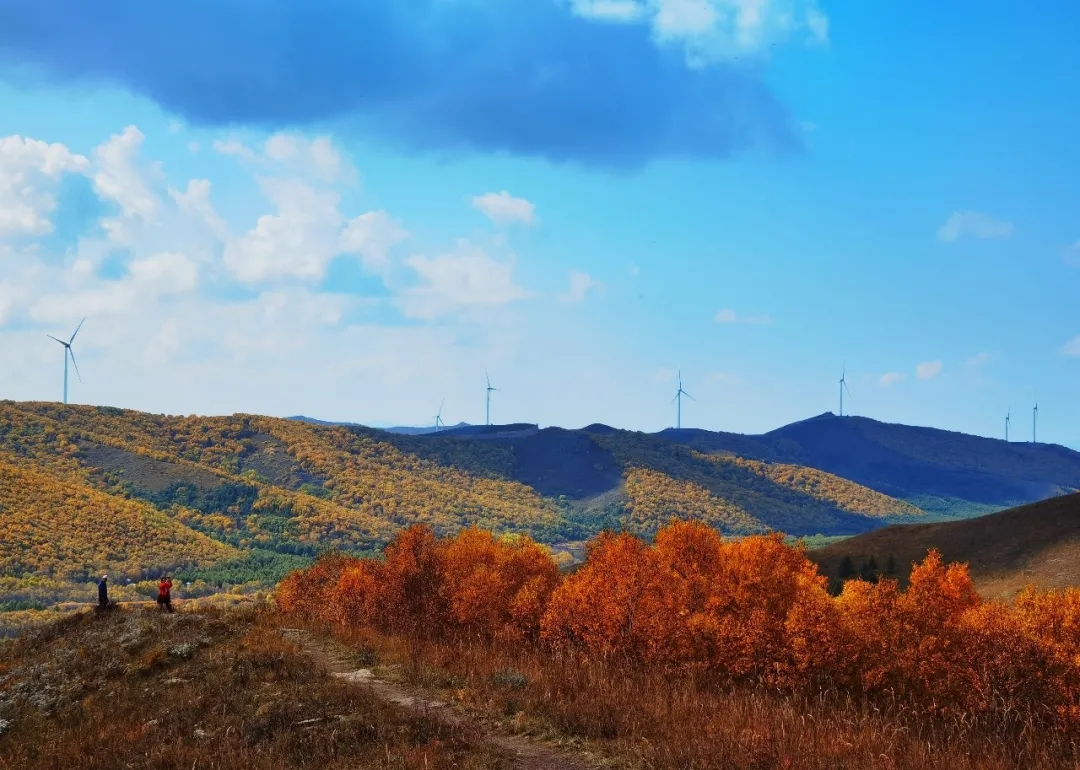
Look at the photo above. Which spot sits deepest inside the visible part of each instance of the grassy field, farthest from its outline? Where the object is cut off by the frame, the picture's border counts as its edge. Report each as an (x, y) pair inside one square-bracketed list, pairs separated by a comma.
[(208, 689)]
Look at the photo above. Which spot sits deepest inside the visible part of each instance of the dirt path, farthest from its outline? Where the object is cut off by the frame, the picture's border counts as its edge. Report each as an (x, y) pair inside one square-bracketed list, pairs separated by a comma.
[(527, 754)]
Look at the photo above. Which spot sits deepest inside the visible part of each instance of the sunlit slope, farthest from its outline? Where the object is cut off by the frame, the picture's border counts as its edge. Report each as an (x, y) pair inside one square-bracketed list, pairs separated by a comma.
[(796, 500), (57, 528), (333, 482), (827, 488)]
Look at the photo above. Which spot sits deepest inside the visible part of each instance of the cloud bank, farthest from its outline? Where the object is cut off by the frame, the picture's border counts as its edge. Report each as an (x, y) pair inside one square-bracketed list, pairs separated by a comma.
[(613, 83)]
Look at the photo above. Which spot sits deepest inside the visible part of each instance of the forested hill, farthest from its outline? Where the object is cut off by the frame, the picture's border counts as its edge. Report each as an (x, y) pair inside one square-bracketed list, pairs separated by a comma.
[(226, 500), (943, 472)]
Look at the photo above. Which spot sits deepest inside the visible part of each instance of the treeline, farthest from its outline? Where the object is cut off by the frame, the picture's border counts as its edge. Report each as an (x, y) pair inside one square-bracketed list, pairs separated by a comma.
[(748, 611)]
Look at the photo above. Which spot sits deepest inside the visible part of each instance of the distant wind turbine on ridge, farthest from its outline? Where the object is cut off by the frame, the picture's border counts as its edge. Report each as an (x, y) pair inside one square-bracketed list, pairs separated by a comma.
[(1008, 417), (1034, 421), (69, 353), (678, 399), (843, 387), (438, 417), (487, 413)]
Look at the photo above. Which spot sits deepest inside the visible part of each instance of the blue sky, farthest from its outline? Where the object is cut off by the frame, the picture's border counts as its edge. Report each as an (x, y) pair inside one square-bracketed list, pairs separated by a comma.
[(352, 211)]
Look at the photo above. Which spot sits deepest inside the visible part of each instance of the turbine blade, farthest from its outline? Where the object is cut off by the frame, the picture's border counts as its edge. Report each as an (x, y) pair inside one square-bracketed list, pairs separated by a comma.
[(76, 331), (846, 387), (71, 353), (54, 338), (689, 396)]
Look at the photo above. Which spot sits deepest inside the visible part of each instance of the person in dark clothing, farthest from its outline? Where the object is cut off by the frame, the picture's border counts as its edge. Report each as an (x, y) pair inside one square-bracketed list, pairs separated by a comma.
[(103, 592), (164, 594)]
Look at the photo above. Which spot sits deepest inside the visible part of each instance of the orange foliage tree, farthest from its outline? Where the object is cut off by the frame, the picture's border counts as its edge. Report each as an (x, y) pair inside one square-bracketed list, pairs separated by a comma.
[(472, 583), (751, 610)]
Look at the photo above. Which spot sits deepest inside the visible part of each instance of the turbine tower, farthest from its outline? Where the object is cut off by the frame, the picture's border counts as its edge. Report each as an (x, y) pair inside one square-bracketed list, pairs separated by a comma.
[(843, 387), (1034, 420), (69, 353), (678, 399), (487, 414), (1008, 417), (438, 417)]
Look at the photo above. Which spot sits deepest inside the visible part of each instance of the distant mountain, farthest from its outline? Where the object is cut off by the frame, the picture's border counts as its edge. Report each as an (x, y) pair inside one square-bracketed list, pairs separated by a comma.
[(1037, 544), (402, 429), (946, 473)]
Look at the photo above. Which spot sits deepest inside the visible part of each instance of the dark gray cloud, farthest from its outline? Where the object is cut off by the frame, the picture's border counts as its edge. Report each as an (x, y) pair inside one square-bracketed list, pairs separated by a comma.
[(523, 77)]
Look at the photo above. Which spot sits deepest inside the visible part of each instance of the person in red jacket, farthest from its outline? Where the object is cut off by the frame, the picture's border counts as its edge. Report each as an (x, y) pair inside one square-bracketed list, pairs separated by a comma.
[(164, 594)]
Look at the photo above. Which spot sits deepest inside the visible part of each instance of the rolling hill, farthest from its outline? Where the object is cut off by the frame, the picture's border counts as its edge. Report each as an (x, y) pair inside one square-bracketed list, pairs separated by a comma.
[(244, 497), (1037, 544), (947, 474)]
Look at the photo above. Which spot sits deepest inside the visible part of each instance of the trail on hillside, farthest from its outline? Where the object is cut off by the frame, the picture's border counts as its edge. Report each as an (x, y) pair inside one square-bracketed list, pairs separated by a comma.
[(526, 753)]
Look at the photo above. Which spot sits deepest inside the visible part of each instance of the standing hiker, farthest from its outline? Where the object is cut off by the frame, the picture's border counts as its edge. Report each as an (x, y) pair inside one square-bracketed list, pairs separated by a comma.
[(103, 592), (164, 594)]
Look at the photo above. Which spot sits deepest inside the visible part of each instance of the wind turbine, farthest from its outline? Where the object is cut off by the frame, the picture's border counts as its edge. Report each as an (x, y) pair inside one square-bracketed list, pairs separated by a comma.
[(487, 413), (1008, 416), (438, 418), (843, 387), (678, 398), (1034, 420), (68, 352)]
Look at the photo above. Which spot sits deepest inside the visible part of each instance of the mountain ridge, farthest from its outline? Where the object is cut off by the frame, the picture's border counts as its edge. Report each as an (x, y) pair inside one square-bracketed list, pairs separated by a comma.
[(274, 490)]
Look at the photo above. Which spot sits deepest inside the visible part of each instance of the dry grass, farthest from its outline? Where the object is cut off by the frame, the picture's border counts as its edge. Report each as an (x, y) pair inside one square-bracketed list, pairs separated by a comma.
[(224, 690), (641, 718), (1036, 544)]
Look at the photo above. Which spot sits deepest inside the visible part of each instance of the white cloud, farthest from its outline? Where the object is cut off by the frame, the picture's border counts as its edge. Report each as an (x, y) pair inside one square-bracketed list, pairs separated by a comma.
[(818, 24), (1072, 254), (297, 242), (890, 378), (372, 235), (118, 177), (234, 148), (928, 370), (451, 282), (714, 30), (195, 201), (729, 316), (149, 281), (974, 225), (164, 273), (1072, 347), (317, 157), (580, 285), (503, 208), (684, 18), (30, 169), (610, 10), (978, 360), (313, 159)]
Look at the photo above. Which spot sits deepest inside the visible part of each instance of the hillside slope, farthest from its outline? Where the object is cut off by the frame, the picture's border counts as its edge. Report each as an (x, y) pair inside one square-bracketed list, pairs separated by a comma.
[(943, 472), (1037, 544), (59, 529), (269, 490)]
